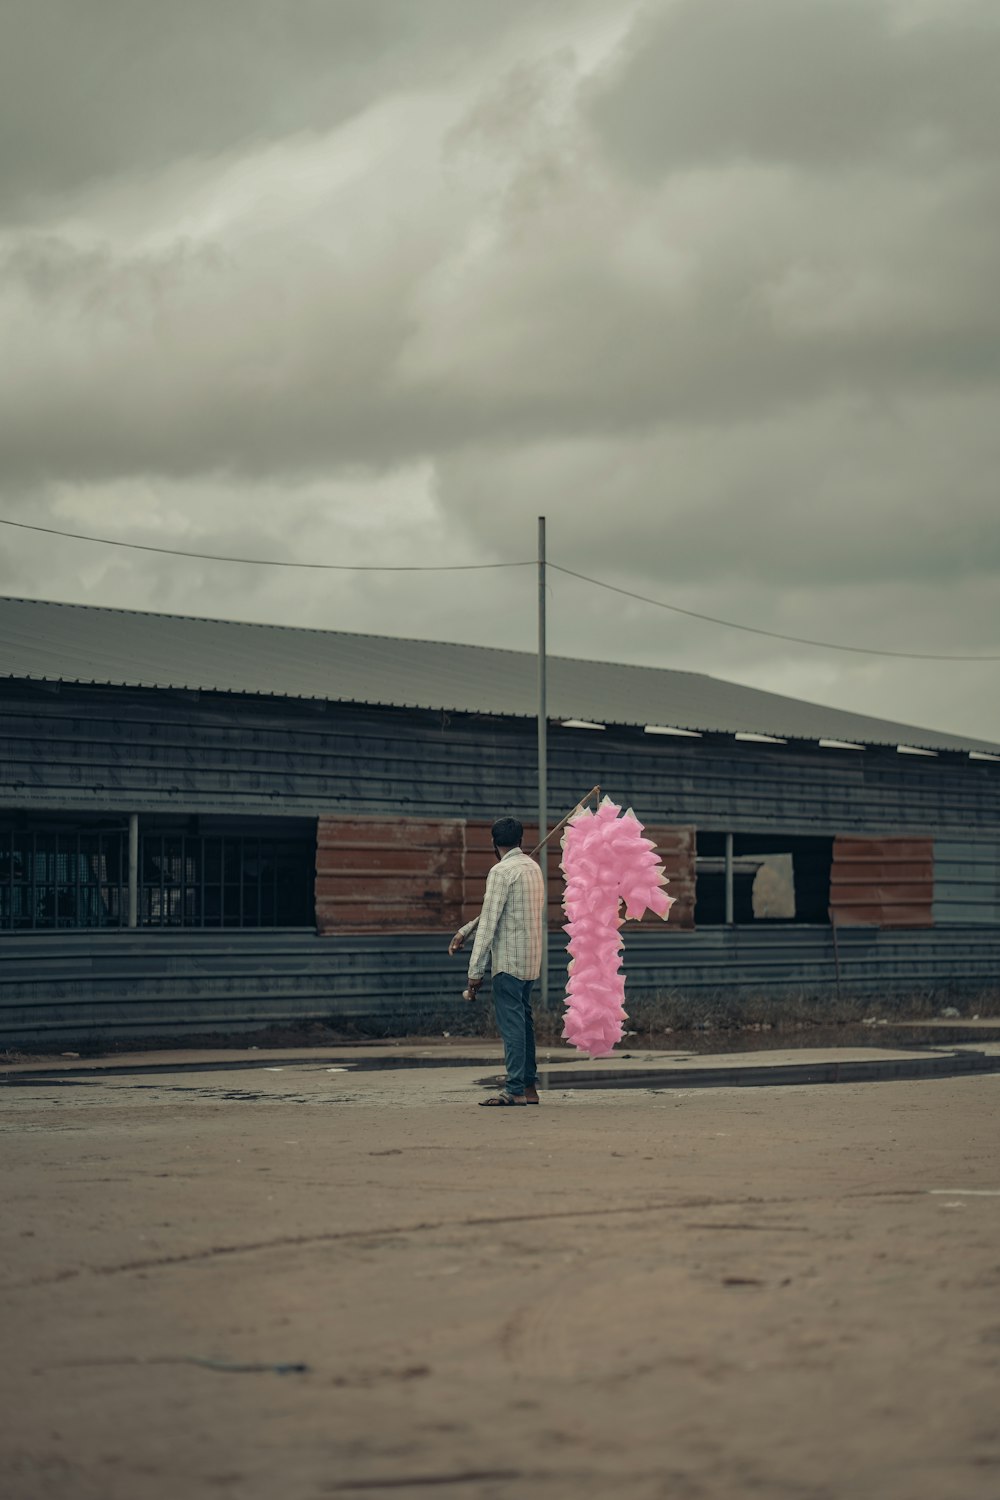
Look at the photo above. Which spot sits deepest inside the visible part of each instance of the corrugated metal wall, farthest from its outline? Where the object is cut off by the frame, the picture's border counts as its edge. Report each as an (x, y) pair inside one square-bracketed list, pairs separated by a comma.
[(145, 750), (414, 875), (122, 751), (385, 875), (966, 881), (480, 859), (887, 882), (676, 847), (677, 850), (78, 986)]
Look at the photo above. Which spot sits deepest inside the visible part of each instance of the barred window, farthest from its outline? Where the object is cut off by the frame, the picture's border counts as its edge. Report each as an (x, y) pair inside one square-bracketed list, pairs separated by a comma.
[(215, 880), (61, 878), (55, 878)]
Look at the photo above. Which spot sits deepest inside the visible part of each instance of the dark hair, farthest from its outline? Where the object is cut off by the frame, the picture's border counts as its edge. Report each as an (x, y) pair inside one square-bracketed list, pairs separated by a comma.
[(507, 833)]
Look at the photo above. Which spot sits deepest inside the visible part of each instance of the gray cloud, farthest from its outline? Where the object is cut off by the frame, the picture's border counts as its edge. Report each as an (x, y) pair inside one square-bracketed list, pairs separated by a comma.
[(584, 316), (712, 288), (123, 86), (823, 83), (810, 502)]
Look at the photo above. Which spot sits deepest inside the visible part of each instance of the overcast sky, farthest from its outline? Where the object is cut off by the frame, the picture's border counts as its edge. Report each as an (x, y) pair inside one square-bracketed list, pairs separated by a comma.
[(712, 284)]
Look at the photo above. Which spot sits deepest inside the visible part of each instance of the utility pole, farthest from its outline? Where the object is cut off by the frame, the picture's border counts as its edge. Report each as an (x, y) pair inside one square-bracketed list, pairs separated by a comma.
[(543, 810)]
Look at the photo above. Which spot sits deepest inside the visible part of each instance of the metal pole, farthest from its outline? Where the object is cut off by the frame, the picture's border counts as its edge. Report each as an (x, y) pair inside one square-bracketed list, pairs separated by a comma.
[(729, 880), (133, 869), (836, 952), (543, 810)]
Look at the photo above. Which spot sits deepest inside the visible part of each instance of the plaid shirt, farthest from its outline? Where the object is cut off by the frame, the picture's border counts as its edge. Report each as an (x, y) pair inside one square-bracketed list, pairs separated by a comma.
[(510, 923)]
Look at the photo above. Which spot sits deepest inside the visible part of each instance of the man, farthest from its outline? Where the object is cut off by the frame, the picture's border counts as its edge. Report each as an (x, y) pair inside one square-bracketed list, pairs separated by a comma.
[(510, 930)]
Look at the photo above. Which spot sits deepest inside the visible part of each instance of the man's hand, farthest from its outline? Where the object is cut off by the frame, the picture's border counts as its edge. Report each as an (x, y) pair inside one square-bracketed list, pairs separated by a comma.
[(473, 988), (457, 942)]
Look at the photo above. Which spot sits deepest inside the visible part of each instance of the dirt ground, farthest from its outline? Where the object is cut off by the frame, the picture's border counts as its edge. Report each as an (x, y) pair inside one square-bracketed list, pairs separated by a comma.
[(698, 1294)]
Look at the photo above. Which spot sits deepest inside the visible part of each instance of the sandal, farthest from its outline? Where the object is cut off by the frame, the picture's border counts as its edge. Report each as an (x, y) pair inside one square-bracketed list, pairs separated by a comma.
[(502, 1100), (527, 1097)]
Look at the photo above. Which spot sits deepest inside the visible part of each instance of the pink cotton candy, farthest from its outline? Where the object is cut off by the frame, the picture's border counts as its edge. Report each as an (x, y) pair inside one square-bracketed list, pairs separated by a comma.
[(606, 861)]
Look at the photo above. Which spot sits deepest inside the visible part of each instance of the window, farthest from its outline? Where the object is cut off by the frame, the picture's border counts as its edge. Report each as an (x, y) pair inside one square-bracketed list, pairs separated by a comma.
[(224, 880), (53, 878), (57, 876), (775, 877)]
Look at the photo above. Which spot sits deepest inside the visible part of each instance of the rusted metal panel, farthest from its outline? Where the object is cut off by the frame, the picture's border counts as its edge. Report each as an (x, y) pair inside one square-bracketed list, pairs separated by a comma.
[(676, 848), (910, 872), (895, 849), (882, 882), (383, 875), (343, 832)]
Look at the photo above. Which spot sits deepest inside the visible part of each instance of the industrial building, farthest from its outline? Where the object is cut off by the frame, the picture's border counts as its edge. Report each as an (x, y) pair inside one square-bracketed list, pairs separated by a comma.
[(207, 825)]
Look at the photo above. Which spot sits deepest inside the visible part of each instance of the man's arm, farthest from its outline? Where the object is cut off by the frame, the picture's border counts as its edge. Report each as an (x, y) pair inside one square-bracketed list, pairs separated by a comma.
[(458, 941), (493, 901)]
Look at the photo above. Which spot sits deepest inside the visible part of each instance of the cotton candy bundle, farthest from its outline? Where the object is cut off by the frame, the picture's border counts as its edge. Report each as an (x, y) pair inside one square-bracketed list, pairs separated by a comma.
[(606, 861)]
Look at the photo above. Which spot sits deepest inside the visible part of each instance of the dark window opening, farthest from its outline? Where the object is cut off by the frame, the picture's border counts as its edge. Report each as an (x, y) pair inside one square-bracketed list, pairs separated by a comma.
[(776, 878), (60, 878), (75, 876), (225, 880)]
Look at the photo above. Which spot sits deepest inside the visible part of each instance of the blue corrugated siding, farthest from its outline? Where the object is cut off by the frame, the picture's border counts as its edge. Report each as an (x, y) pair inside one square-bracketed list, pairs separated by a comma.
[(71, 986), (148, 751), (966, 881)]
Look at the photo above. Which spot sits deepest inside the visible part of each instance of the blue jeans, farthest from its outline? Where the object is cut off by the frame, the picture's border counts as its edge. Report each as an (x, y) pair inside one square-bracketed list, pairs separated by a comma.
[(512, 1006)]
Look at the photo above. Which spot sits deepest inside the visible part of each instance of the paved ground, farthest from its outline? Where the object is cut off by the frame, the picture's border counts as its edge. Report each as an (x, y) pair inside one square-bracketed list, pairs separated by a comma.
[(705, 1293)]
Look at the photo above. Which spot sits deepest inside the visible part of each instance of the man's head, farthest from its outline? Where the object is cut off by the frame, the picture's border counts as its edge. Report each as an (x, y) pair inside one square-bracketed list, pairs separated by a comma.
[(507, 833)]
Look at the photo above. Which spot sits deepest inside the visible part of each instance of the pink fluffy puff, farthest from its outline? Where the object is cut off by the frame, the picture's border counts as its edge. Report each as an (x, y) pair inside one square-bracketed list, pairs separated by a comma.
[(606, 861)]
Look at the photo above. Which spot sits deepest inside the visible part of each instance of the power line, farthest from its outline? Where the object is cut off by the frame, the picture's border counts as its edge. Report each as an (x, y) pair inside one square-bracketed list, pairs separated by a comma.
[(775, 635), (270, 562), (693, 614)]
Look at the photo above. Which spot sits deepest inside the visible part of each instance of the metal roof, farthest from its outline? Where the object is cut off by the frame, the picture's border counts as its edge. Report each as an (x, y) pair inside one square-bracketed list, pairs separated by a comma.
[(76, 643)]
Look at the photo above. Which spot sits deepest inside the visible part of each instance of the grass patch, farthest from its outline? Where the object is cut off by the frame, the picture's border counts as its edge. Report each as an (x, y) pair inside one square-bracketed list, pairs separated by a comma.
[(653, 1017), (656, 1020)]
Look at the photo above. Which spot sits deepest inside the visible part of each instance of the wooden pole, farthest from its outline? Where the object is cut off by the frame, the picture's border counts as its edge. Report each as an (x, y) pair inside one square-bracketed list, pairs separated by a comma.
[(595, 792)]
